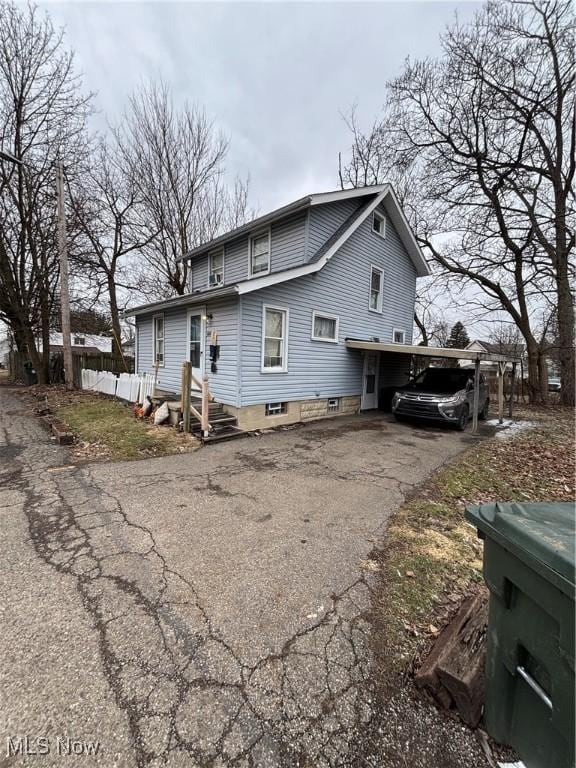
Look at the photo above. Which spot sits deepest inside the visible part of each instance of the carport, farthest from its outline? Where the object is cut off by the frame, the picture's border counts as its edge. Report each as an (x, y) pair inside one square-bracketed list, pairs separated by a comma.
[(408, 350)]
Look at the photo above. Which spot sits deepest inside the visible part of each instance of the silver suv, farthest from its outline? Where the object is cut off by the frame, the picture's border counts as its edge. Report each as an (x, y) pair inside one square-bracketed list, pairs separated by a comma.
[(441, 394)]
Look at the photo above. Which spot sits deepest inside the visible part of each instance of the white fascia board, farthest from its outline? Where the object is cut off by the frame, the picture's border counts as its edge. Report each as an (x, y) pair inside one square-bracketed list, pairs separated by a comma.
[(347, 194), (407, 236), (307, 269)]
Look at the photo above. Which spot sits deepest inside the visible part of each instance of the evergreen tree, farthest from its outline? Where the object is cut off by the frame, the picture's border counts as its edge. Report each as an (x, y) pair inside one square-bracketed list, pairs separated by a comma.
[(458, 338)]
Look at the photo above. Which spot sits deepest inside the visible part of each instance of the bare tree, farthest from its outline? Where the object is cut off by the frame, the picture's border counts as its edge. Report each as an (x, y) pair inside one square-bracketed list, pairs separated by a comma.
[(42, 118), (177, 158), (487, 131), (105, 204)]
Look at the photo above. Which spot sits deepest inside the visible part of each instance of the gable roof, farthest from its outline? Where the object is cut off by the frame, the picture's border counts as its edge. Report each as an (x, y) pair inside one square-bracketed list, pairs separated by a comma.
[(379, 191), (497, 348), (382, 193)]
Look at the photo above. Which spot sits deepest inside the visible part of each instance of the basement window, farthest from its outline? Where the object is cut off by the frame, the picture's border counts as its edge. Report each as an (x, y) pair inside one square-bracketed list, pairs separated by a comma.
[(333, 404), (275, 409)]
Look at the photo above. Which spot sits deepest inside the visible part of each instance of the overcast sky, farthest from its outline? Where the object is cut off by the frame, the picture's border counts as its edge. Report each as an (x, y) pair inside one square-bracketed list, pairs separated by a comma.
[(273, 76)]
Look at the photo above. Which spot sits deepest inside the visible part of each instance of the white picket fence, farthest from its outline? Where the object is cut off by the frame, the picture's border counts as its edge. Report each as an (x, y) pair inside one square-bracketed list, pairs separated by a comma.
[(134, 387)]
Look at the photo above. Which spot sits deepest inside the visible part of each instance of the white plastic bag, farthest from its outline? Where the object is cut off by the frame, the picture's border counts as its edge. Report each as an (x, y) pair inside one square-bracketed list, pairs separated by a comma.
[(162, 414)]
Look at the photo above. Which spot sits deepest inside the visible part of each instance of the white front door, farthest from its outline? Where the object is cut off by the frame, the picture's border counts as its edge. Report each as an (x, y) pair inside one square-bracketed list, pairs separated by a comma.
[(196, 335), (370, 381)]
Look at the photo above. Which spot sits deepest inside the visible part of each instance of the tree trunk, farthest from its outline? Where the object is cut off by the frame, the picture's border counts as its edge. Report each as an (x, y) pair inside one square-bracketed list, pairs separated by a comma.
[(534, 393), (566, 336), (543, 375), (114, 314), (30, 351)]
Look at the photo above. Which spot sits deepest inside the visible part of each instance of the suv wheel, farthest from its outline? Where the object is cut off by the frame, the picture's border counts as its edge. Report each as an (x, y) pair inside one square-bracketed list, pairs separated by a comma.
[(483, 415), (463, 418)]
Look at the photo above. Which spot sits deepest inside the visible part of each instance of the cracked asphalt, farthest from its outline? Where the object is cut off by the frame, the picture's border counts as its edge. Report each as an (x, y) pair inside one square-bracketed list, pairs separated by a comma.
[(207, 609)]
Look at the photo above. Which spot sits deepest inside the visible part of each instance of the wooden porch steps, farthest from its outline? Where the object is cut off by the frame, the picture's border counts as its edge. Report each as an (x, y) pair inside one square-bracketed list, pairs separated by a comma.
[(224, 424)]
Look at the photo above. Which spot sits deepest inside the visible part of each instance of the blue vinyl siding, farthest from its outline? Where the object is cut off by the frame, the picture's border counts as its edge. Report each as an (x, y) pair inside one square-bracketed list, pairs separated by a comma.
[(224, 383), (322, 369), (325, 220), (287, 249)]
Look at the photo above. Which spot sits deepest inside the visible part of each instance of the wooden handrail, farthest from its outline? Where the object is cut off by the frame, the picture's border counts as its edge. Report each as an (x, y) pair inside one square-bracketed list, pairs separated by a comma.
[(199, 385), (187, 408)]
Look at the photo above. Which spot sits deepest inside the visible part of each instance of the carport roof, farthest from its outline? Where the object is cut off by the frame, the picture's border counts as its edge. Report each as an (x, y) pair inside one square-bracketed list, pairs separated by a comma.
[(413, 349)]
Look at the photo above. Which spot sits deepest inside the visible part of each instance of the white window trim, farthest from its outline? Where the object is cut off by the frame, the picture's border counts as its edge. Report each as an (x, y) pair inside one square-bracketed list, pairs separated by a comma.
[(378, 310), (283, 409), (398, 330), (210, 254), (154, 362), (267, 231), (382, 217), (284, 367), (328, 317)]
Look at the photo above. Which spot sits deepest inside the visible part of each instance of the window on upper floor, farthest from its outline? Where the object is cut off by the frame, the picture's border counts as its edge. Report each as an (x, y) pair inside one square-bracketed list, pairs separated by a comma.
[(274, 340), (376, 281), (158, 339), (398, 336), (79, 341), (379, 224), (260, 254), (216, 268), (324, 327)]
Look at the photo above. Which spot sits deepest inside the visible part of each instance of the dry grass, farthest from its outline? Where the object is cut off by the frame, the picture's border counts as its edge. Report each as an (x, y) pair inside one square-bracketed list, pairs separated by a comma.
[(106, 429), (432, 556)]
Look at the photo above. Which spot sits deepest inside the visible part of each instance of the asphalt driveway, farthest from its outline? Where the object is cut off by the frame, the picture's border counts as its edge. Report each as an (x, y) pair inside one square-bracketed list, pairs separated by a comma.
[(203, 609)]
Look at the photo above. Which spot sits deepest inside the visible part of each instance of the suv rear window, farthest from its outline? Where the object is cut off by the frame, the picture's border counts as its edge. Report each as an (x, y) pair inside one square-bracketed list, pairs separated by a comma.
[(443, 379)]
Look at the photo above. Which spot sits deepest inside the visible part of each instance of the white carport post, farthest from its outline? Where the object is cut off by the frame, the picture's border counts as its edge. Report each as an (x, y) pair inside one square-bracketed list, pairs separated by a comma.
[(501, 372), (512, 387), (476, 400)]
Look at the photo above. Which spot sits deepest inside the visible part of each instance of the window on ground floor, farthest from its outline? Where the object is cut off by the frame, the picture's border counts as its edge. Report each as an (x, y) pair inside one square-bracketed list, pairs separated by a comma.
[(158, 339), (324, 327), (274, 340), (275, 409)]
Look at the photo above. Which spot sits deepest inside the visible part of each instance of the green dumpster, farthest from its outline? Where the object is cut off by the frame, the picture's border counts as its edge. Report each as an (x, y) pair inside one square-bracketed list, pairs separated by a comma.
[(529, 568)]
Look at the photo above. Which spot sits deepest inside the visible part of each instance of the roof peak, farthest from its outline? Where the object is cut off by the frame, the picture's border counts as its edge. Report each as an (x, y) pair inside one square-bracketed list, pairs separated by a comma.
[(302, 203)]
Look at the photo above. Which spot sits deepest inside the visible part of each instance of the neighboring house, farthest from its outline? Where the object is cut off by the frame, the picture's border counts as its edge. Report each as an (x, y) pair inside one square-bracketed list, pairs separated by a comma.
[(5, 347), (129, 346), (272, 303), (510, 350), (81, 342)]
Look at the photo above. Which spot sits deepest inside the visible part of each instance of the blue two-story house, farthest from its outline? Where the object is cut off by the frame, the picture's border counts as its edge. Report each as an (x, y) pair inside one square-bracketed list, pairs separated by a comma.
[(275, 306)]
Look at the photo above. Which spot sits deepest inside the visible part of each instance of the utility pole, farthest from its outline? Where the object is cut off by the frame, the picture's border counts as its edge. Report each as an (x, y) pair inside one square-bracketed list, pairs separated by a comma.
[(64, 287)]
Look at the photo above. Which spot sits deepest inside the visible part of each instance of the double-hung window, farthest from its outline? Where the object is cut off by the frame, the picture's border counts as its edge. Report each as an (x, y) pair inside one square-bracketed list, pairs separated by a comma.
[(216, 266), (274, 340), (158, 339), (260, 254), (324, 327), (379, 224), (376, 281)]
